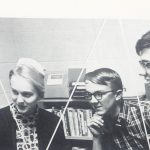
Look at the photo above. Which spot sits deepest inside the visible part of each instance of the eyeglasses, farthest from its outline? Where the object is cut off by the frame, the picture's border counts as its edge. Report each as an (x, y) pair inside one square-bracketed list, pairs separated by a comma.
[(98, 95), (145, 64)]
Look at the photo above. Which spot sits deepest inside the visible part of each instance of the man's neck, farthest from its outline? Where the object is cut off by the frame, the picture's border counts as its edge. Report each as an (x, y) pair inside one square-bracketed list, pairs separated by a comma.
[(114, 112)]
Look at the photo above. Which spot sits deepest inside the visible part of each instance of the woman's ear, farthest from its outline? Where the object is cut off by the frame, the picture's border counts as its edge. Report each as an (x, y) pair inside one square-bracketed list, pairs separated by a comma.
[(118, 94)]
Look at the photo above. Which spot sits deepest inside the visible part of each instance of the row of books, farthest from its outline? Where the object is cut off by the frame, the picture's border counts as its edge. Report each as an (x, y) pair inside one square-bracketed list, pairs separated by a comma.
[(75, 121)]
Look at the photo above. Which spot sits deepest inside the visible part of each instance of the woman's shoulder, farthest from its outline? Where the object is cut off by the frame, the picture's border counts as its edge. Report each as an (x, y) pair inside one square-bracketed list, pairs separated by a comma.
[(46, 113), (5, 116), (48, 120), (48, 116), (5, 110)]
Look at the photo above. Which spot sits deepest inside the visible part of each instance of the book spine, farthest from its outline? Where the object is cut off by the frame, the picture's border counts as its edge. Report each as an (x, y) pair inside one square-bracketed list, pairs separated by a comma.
[(76, 123), (79, 120), (85, 122), (71, 124), (82, 122), (65, 123), (89, 116)]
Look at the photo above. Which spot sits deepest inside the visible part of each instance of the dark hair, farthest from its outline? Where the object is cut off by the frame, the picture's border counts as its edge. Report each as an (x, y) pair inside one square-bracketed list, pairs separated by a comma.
[(105, 76), (30, 74), (143, 43)]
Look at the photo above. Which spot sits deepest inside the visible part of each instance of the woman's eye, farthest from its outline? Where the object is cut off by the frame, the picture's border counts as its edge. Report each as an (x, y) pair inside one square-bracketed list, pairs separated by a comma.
[(14, 92), (27, 94)]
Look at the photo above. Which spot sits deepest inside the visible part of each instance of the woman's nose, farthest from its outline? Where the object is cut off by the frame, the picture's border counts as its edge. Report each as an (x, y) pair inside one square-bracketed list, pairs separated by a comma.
[(20, 99)]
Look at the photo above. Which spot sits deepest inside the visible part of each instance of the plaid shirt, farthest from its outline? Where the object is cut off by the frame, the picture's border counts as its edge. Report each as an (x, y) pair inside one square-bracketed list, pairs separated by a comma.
[(128, 131)]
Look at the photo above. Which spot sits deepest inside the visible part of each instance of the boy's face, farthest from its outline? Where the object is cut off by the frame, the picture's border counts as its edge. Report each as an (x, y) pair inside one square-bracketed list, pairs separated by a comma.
[(145, 63), (102, 97)]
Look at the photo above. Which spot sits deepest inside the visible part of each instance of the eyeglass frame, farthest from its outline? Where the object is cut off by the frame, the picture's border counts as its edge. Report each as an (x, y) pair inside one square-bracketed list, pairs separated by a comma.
[(93, 94)]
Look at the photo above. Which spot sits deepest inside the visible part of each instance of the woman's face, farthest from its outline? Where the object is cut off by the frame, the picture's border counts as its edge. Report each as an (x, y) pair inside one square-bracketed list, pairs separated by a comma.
[(24, 94)]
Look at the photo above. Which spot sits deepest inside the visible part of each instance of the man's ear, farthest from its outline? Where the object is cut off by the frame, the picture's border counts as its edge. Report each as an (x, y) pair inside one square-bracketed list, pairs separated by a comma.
[(118, 94)]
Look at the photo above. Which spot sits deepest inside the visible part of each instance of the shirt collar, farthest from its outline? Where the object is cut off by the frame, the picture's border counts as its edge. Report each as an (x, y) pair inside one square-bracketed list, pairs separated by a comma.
[(16, 113), (123, 116)]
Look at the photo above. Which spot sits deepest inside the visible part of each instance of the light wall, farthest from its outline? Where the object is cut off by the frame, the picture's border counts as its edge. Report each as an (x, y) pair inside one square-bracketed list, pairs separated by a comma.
[(62, 43)]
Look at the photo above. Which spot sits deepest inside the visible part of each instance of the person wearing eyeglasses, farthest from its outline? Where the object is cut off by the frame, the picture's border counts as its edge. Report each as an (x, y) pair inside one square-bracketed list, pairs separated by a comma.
[(116, 124), (143, 50)]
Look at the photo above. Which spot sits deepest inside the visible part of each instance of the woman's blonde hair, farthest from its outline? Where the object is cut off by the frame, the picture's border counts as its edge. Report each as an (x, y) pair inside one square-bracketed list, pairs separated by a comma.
[(30, 73)]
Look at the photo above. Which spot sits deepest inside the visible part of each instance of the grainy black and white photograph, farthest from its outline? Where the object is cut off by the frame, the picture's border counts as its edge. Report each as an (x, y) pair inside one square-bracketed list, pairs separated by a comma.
[(74, 84)]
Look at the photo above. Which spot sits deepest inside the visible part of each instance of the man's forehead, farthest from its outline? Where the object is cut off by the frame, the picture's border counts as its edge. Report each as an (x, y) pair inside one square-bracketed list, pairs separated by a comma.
[(145, 55), (94, 86)]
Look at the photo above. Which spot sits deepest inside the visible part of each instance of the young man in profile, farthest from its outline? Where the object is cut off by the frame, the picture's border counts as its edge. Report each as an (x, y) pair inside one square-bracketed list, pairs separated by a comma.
[(143, 50), (116, 124)]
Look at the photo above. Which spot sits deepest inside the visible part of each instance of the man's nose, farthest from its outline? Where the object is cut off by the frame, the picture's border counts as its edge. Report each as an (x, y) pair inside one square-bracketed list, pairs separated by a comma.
[(20, 99), (143, 72), (146, 74)]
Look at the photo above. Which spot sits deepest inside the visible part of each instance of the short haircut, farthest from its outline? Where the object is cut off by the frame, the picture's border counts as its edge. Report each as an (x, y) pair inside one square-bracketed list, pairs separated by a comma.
[(105, 76), (30, 74), (143, 43)]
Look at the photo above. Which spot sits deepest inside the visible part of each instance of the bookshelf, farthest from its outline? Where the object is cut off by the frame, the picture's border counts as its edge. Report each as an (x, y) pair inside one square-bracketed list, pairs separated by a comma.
[(60, 102), (79, 138), (55, 105), (75, 118)]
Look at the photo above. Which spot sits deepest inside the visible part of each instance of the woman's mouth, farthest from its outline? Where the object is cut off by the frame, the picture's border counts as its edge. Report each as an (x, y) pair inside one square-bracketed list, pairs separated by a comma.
[(22, 107)]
